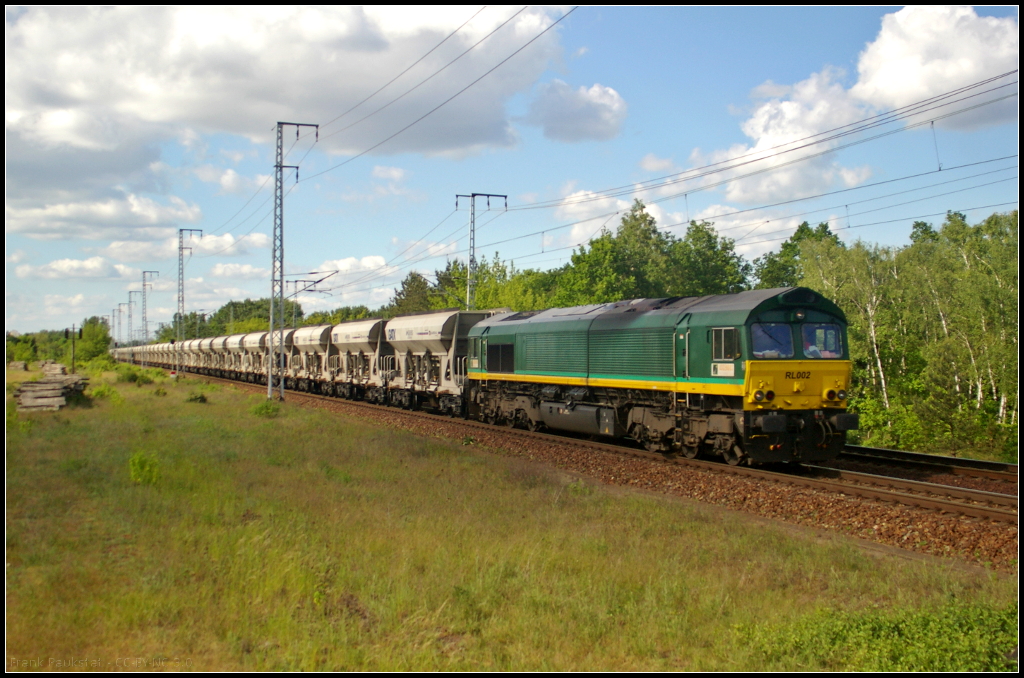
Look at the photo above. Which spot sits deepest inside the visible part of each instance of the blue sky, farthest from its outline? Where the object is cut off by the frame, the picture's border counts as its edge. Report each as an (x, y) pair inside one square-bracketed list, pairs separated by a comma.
[(126, 124)]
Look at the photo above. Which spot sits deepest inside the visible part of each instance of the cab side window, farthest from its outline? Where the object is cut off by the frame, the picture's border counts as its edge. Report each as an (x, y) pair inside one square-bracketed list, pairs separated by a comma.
[(725, 343)]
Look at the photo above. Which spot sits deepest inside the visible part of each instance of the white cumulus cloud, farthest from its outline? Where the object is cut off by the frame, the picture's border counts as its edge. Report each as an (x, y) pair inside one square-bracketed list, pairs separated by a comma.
[(389, 173), (130, 216), (230, 181), (584, 114), (924, 51), (354, 265), (93, 267), (919, 52), (652, 163), (76, 76), (240, 271)]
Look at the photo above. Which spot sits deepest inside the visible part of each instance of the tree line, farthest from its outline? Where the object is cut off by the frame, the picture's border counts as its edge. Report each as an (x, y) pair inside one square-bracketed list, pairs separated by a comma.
[(55, 345)]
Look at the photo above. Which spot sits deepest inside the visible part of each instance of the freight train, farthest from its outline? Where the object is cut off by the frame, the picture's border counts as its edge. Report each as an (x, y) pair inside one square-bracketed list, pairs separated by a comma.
[(755, 377)]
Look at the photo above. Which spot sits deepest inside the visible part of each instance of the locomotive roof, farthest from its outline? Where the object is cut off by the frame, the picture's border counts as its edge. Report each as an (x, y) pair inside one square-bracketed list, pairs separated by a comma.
[(724, 309)]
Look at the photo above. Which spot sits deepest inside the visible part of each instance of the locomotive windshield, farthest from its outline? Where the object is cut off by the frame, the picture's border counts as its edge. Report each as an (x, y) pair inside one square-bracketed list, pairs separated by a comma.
[(772, 340), (822, 340)]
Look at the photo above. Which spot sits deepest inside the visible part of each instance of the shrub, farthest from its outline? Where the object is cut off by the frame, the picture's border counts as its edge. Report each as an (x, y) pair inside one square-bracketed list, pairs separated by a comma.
[(143, 469), (954, 637), (267, 408), (195, 397), (137, 375), (159, 392), (108, 392), (99, 365)]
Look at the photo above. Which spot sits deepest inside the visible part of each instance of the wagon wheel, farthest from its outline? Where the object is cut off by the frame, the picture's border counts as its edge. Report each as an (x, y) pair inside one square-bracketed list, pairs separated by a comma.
[(653, 445), (510, 421), (734, 456), (532, 426), (691, 451), (492, 418)]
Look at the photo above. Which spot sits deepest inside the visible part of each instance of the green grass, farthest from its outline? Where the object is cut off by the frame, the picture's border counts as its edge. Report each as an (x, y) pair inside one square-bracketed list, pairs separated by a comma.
[(308, 541)]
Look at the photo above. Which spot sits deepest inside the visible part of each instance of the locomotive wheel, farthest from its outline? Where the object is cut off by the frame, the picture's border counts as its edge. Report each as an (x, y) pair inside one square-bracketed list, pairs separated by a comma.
[(532, 426), (653, 445), (637, 434), (690, 451), (492, 418)]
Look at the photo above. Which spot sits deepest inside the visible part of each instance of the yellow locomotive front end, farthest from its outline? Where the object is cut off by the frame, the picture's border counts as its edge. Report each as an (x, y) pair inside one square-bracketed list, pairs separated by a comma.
[(796, 385), (796, 388)]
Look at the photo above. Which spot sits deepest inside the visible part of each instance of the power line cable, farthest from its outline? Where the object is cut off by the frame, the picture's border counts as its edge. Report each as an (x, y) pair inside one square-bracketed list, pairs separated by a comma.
[(899, 204), (861, 125), (335, 119), (411, 261), (892, 221), (409, 68), (939, 195), (827, 151), (857, 202), (446, 101), (614, 213), (871, 185), (772, 168), (749, 174), (414, 244), (428, 78)]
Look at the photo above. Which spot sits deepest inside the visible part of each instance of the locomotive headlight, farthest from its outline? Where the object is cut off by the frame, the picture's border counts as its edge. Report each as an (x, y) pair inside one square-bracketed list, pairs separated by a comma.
[(831, 395), (842, 394), (758, 396), (769, 396)]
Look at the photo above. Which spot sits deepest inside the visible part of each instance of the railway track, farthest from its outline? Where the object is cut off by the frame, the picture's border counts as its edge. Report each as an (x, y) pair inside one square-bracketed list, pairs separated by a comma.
[(973, 468), (992, 506)]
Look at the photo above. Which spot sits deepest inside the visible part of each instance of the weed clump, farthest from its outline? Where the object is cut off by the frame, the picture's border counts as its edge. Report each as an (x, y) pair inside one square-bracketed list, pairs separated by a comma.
[(108, 392), (137, 375), (955, 637), (159, 392), (132, 375), (267, 409), (196, 397), (143, 469)]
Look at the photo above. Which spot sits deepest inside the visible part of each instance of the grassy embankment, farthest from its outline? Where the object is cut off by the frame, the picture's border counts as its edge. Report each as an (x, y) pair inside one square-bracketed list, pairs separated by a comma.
[(149, 527)]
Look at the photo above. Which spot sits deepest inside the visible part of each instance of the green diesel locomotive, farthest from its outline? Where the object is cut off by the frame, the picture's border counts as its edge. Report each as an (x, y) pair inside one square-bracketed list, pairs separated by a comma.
[(759, 376)]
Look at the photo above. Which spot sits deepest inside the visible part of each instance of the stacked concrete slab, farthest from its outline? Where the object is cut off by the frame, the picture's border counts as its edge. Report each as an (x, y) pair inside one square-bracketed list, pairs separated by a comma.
[(51, 392)]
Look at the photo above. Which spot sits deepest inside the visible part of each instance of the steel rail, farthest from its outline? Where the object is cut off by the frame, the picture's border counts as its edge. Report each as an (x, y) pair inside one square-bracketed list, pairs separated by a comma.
[(861, 489), (1007, 501), (975, 468)]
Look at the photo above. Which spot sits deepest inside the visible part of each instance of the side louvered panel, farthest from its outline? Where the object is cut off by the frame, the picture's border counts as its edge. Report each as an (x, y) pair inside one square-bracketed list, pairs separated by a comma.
[(564, 352), (640, 352)]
